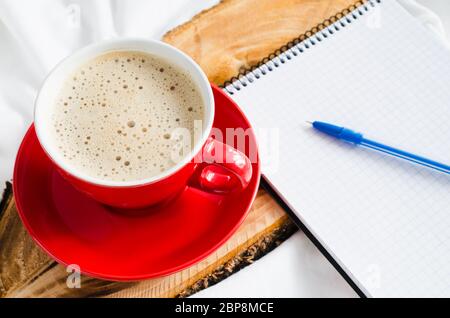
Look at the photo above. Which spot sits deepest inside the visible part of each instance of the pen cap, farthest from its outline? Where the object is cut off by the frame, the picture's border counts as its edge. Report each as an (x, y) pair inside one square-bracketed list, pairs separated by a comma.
[(338, 132), (328, 129)]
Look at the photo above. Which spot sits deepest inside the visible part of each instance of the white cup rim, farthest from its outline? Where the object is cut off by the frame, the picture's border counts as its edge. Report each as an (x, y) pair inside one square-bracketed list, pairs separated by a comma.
[(46, 99)]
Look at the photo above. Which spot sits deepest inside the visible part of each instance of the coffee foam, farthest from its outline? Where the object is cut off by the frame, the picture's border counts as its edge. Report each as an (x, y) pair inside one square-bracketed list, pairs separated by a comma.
[(115, 115)]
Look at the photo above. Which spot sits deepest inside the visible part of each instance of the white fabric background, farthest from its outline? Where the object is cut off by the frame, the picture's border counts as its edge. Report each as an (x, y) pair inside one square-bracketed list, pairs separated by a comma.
[(35, 35)]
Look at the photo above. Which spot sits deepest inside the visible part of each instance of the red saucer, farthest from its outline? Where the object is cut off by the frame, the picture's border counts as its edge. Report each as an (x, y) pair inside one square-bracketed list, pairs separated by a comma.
[(74, 229)]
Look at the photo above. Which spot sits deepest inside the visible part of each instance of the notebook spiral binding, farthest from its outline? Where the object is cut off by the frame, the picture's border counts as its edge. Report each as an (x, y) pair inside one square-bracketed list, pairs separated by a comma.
[(299, 45)]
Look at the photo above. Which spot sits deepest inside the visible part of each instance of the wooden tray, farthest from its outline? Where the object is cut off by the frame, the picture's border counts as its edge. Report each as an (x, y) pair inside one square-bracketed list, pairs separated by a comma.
[(225, 39)]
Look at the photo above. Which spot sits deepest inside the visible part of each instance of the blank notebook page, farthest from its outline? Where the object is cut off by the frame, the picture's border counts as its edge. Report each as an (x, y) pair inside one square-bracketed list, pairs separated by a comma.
[(386, 221)]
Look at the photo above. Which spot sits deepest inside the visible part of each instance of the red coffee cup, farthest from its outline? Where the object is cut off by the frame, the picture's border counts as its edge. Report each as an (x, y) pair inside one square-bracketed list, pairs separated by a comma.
[(211, 165)]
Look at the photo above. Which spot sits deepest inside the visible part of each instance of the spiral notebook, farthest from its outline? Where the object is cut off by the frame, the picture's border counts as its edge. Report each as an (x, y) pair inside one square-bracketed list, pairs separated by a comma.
[(385, 221)]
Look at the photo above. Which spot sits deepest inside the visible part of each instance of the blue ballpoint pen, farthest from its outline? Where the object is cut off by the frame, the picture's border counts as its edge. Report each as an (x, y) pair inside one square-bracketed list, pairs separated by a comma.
[(358, 139)]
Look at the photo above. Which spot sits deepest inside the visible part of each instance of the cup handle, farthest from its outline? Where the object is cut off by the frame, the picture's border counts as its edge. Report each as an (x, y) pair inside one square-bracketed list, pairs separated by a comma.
[(227, 168)]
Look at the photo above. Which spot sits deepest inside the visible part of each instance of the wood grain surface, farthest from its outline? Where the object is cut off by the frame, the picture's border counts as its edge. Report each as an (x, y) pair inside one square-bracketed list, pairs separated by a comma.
[(237, 34), (232, 35)]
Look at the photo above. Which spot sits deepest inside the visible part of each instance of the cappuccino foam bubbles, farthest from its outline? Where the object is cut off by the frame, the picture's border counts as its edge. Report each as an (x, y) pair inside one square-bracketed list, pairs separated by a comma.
[(115, 116)]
